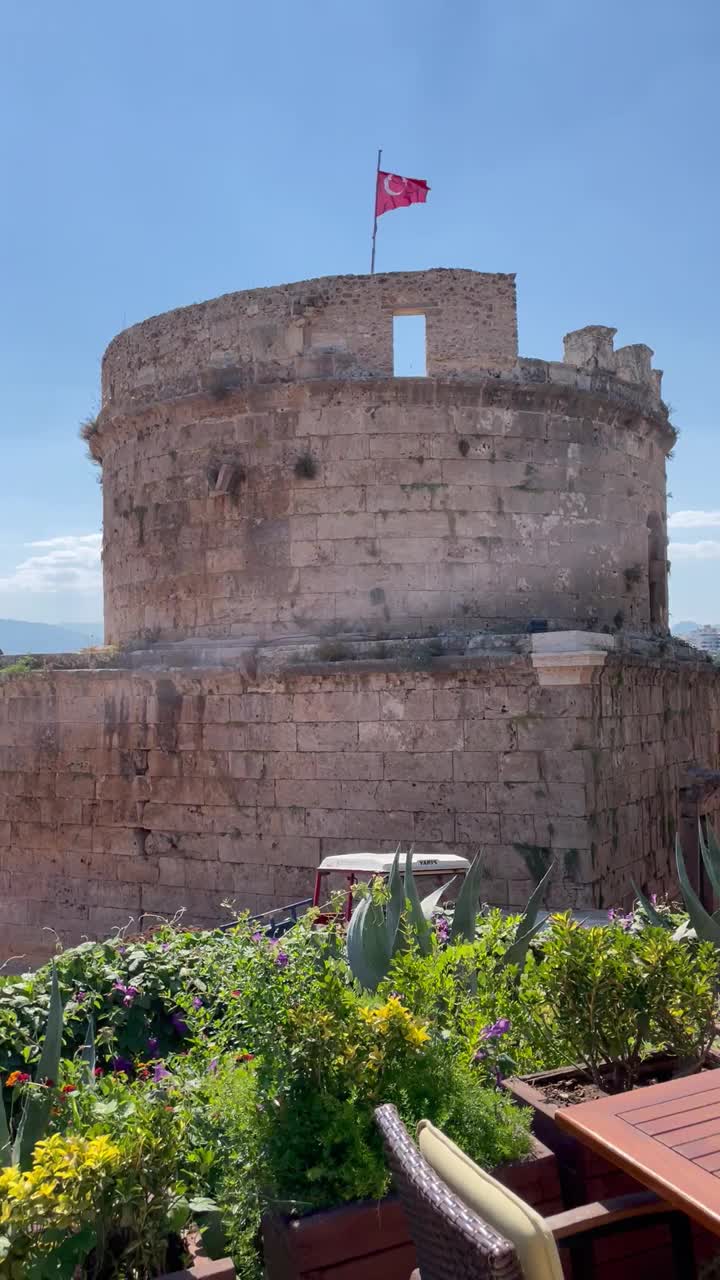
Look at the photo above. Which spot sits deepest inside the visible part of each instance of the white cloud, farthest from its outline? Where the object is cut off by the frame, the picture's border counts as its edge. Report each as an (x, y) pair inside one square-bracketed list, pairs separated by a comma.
[(68, 563), (705, 550), (694, 520)]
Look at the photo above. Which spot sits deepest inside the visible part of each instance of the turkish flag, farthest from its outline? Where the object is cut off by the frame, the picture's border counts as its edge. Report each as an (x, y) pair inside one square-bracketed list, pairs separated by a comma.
[(394, 192)]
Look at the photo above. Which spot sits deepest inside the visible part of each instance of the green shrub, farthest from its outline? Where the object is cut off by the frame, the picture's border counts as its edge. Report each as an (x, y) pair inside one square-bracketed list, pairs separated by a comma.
[(608, 997)]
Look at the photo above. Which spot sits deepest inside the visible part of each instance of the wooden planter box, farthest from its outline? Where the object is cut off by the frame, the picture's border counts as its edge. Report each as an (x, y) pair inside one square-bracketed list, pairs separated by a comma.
[(585, 1176), (202, 1267), (370, 1240)]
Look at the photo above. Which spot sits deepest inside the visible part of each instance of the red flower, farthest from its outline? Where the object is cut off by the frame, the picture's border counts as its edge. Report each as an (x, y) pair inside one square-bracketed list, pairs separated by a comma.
[(49, 1084), (17, 1077), (245, 1057), (235, 993), (69, 1088), (98, 1072)]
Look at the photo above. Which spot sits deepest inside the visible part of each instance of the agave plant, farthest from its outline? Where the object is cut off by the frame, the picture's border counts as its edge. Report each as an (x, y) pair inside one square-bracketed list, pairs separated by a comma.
[(378, 932), (37, 1103), (705, 925)]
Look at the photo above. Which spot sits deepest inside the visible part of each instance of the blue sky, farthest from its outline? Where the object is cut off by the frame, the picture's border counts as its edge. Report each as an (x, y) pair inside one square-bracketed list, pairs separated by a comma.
[(155, 154)]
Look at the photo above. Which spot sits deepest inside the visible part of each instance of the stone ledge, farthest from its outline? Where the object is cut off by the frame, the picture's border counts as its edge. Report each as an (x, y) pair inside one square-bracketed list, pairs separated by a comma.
[(569, 657)]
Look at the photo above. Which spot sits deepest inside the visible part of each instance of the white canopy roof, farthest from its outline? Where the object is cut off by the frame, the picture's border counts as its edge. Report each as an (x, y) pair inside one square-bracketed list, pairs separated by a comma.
[(381, 863)]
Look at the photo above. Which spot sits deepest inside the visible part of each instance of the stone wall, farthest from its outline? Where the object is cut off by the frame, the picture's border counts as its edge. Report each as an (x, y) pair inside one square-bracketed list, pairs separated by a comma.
[(430, 505), (124, 794), (339, 325)]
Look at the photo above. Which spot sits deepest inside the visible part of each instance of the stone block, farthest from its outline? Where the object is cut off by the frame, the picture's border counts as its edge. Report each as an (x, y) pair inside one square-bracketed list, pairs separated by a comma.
[(420, 766), (331, 736), (410, 735), (519, 766), (405, 704), (353, 706)]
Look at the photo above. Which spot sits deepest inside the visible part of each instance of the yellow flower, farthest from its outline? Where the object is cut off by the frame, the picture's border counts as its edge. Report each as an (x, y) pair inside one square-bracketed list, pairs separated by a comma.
[(393, 1018)]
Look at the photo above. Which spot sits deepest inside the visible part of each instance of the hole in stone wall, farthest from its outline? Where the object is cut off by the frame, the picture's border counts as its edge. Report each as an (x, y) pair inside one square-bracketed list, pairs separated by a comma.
[(409, 349)]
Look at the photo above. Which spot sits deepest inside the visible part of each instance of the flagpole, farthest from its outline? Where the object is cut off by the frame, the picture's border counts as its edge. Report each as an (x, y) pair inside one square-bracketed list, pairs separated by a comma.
[(374, 234)]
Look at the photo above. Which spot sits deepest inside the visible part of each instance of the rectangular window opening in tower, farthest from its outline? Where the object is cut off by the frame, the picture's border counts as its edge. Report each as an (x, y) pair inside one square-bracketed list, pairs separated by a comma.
[(409, 349)]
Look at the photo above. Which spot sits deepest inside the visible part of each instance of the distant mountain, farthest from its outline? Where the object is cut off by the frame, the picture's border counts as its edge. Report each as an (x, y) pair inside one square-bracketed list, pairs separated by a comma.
[(40, 637), (683, 628)]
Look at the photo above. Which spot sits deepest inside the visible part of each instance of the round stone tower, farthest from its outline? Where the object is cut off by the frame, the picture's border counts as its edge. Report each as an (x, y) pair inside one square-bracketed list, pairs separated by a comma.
[(265, 474)]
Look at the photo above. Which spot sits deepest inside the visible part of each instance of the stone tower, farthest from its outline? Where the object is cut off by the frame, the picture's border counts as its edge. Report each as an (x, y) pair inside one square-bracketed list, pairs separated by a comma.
[(356, 610), (265, 474)]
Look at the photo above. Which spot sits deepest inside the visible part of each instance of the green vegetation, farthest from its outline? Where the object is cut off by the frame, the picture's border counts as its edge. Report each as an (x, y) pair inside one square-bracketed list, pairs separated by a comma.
[(21, 667), (204, 1078)]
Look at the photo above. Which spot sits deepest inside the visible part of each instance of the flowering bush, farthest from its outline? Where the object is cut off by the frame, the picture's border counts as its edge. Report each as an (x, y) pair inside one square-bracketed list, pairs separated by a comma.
[(238, 1071), (609, 997), (51, 1216)]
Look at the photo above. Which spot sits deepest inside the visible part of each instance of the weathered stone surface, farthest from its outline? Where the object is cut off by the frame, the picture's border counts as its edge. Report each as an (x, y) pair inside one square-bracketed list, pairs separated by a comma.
[(142, 821), (338, 570), (286, 482)]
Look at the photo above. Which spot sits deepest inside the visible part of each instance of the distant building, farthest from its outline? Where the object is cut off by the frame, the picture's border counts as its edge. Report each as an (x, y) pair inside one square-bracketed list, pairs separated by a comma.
[(706, 638)]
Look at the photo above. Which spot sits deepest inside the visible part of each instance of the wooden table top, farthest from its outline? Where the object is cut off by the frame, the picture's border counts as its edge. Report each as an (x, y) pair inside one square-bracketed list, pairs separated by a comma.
[(666, 1135)]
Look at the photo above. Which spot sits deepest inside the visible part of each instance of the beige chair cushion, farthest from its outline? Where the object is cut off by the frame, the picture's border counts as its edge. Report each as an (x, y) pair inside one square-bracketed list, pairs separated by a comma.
[(500, 1208)]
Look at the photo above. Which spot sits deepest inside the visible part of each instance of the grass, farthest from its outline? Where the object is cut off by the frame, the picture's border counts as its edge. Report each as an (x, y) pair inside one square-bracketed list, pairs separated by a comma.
[(21, 667)]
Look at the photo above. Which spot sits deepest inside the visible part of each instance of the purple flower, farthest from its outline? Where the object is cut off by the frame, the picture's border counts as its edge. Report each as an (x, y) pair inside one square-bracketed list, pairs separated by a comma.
[(258, 937), (282, 959), (442, 930), (213, 1066), (624, 921), (121, 951), (159, 1072), (164, 946), (153, 1045), (197, 1002), (499, 1028), (179, 1024), (79, 997), (480, 1056), (653, 899), (120, 1064), (119, 986), (130, 994)]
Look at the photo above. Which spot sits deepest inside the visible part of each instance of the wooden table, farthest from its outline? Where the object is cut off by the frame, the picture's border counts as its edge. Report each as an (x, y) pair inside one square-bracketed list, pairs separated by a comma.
[(667, 1136)]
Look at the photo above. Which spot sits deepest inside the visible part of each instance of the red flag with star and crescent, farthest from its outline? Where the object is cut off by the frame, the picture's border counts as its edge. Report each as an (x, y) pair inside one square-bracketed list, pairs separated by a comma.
[(394, 192)]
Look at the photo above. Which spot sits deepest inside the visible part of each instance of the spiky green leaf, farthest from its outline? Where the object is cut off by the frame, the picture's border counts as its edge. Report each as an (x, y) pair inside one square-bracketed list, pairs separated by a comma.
[(534, 903), (420, 926), (36, 1108), (87, 1053), (649, 909), (518, 949), (429, 903), (396, 905), (354, 943), (468, 902), (367, 944), (5, 1152), (707, 929), (710, 853)]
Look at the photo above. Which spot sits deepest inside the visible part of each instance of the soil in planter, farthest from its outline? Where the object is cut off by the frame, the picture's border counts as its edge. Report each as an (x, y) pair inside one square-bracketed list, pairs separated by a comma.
[(574, 1089)]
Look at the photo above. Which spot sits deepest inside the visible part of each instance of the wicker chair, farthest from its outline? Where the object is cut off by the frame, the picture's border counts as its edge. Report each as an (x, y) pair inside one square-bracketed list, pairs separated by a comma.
[(453, 1243)]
